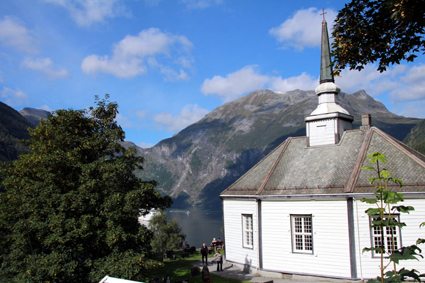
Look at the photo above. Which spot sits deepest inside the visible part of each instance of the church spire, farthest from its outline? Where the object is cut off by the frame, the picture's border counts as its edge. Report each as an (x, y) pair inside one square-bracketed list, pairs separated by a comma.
[(327, 123), (326, 74)]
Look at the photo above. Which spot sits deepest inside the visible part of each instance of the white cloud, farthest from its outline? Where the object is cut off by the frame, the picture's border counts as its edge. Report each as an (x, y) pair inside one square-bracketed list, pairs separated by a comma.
[(87, 12), (412, 85), (132, 55), (200, 4), (247, 79), (16, 35), (12, 97), (303, 81), (352, 80), (402, 82), (169, 73), (234, 84), (188, 115), (45, 66), (303, 29)]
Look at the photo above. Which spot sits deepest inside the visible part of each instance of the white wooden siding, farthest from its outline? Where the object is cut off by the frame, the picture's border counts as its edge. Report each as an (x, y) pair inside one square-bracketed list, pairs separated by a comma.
[(330, 238), (233, 210), (342, 126), (367, 266), (322, 132)]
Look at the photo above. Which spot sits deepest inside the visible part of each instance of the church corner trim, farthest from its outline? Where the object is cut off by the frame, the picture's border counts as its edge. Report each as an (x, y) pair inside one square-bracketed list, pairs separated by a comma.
[(351, 237)]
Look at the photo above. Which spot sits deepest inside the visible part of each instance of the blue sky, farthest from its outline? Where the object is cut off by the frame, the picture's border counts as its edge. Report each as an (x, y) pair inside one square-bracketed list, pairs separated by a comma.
[(168, 63)]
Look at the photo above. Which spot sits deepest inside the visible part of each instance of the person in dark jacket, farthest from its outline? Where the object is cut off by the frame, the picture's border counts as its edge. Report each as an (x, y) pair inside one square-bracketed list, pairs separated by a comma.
[(204, 254)]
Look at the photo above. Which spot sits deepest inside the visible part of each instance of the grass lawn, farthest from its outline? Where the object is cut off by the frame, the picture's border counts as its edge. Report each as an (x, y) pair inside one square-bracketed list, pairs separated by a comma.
[(179, 269)]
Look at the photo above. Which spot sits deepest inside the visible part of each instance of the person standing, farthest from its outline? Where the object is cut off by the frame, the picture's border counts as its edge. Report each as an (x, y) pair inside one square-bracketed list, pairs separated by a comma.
[(219, 259), (204, 254)]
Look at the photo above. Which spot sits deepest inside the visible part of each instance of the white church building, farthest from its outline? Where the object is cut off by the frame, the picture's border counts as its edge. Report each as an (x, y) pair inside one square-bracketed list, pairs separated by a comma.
[(298, 210)]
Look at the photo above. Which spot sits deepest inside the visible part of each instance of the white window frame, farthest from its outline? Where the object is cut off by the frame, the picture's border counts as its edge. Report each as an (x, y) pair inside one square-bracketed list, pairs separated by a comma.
[(302, 233), (375, 236), (247, 231)]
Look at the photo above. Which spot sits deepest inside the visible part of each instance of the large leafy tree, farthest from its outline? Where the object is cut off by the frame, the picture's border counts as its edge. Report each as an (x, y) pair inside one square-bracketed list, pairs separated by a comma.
[(69, 207), (383, 31), (167, 234)]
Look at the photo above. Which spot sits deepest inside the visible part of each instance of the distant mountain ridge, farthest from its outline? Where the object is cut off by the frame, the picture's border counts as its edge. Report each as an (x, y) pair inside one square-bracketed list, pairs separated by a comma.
[(34, 116), (14, 129), (196, 164)]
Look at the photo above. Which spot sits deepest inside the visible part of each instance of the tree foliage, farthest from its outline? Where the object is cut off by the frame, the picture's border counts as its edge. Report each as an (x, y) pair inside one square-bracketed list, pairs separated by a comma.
[(69, 208), (383, 31), (167, 235), (384, 216)]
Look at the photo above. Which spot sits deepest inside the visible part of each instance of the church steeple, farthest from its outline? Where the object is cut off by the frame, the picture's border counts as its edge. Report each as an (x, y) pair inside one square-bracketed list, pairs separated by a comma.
[(329, 120), (326, 73)]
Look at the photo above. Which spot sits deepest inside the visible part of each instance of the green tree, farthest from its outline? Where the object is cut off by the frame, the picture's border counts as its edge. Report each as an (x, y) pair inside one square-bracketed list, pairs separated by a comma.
[(383, 31), (69, 209), (385, 216), (167, 235)]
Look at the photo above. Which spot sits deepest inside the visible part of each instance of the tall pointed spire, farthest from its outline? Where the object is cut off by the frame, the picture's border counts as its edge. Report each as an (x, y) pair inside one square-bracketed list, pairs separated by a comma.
[(329, 120), (326, 74)]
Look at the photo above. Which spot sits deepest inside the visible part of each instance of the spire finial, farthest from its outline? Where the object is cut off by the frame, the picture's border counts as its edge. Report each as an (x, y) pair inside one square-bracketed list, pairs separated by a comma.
[(323, 13), (326, 74)]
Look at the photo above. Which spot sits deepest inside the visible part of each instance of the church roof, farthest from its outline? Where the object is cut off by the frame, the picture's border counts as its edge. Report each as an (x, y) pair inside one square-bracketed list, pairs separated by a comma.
[(294, 168)]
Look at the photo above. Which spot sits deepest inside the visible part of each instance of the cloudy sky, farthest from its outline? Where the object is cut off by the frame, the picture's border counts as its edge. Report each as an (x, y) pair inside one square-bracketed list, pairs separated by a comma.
[(167, 63)]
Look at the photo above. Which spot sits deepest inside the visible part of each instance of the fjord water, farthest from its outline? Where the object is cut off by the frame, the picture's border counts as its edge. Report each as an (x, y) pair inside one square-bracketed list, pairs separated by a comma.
[(198, 225)]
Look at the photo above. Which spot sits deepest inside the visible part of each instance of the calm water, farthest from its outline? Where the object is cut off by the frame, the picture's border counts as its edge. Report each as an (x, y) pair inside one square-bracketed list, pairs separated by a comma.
[(198, 226)]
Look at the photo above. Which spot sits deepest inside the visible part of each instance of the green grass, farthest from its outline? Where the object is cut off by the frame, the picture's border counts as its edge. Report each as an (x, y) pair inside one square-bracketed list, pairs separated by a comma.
[(179, 269)]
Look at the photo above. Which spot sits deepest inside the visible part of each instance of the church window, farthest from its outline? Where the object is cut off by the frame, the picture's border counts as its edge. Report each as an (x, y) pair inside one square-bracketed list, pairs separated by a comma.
[(247, 231), (384, 239), (302, 233)]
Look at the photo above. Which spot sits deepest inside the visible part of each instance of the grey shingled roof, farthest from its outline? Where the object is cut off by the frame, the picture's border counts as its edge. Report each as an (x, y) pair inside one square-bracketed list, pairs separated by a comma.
[(293, 168)]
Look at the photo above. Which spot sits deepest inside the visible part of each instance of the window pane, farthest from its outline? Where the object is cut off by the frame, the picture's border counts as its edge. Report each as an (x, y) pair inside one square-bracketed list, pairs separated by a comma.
[(376, 230), (298, 242), (377, 242), (308, 242), (391, 244), (307, 225), (298, 225)]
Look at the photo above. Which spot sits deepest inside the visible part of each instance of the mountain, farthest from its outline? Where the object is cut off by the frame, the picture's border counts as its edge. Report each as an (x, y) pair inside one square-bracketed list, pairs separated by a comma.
[(196, 164), (416, 137), (34, 116), (13, 129)]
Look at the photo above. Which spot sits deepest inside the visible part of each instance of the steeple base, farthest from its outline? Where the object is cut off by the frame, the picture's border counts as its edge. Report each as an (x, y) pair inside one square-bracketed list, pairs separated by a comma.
[(327, 128)]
